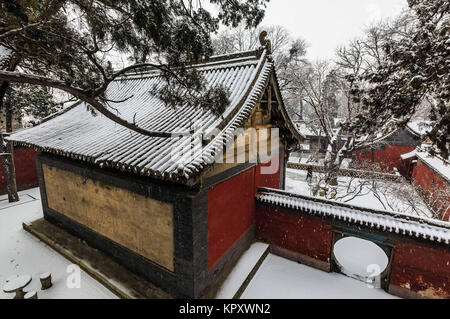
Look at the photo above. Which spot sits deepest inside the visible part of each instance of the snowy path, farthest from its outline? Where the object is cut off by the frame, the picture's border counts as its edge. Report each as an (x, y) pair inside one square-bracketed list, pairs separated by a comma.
[(21, 253), (240, 272), (279, 278)]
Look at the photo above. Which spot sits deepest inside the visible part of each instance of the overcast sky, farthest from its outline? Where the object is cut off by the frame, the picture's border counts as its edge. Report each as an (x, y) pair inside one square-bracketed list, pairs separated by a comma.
[(326, 24)]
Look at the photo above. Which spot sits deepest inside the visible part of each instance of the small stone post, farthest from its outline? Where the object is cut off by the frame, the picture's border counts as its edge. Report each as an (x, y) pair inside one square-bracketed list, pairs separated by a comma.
[(46, 280)]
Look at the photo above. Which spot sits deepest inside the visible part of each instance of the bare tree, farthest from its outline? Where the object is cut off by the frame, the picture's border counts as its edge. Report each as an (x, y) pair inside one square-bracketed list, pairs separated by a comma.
[(438, 199), (371, 183), (244, 39), (289, 54), (327, 88)]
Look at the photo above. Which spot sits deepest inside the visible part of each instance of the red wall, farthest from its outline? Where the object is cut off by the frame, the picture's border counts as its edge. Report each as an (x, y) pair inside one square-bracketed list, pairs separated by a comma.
[(430, 182), (230, 213), (300, 234), (26, 175), (266, 180), (389, 157), (415, 268), (231, 209), (421, 269)]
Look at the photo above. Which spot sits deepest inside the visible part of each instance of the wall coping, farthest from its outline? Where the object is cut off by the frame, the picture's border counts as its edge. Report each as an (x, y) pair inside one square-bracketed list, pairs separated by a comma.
[(426, 228)]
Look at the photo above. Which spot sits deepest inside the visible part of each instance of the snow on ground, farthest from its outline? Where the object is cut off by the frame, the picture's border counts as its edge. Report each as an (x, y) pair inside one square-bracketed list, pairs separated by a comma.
[(279, 278), (305, 158), (296, 182), (21, 253), (242, 269), (387, 200)]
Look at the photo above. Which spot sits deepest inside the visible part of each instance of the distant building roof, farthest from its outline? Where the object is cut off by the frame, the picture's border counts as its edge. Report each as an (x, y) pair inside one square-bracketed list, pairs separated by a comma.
[(408, 155), (439, 165), (75, 133), (306, 129), (436, 163), (420, 128)]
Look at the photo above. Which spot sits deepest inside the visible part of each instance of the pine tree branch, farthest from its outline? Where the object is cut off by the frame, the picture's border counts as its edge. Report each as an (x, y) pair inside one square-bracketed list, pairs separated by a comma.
[(90, 98), (19, 30)]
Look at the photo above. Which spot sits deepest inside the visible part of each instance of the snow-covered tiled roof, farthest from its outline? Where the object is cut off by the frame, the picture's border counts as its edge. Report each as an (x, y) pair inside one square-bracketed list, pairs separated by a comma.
[(398, 223), (408, 155), (75, 133), (419, 127), (306, 130)]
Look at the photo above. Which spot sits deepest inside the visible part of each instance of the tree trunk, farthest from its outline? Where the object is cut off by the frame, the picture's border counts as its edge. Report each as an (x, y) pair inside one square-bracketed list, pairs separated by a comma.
[(332, 170), (331, 167), (7, 148), (10, 171), (332, 178), (8, 159), (333, 160)]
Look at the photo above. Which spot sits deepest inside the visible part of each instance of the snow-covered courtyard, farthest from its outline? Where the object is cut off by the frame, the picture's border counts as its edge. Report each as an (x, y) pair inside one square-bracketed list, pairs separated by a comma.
[(23, 254), (280, 278), (392, 196)]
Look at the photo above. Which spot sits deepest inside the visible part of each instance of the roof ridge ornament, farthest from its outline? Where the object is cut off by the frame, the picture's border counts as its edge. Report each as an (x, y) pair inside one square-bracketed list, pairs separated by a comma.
[(265, 42)]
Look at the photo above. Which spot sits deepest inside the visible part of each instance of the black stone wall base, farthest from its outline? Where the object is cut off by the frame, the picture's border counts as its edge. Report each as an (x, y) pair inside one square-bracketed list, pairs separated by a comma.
[(300, 258), (405, 293)]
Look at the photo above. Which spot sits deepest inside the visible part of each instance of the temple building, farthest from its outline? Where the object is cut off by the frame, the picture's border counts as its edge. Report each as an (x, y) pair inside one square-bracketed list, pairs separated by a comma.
[(181, 225)]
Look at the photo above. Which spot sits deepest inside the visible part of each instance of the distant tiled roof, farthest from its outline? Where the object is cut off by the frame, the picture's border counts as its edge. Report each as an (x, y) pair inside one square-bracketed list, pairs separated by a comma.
[(306, 130), (426, 228), (436, 163), (419, 128), (75, 133)]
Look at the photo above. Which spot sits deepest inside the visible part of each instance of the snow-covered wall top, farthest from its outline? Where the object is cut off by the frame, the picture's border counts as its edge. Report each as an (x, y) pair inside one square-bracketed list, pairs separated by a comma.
[(397, 223), (77, 134), (436, 163), (440, 166)]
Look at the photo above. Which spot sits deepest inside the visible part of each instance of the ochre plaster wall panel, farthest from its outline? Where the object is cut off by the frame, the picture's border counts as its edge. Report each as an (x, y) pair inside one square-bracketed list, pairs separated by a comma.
[(139, 223)]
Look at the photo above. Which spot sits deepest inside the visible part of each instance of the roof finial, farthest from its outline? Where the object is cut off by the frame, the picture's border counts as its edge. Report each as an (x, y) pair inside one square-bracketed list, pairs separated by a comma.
[(265, 42)]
